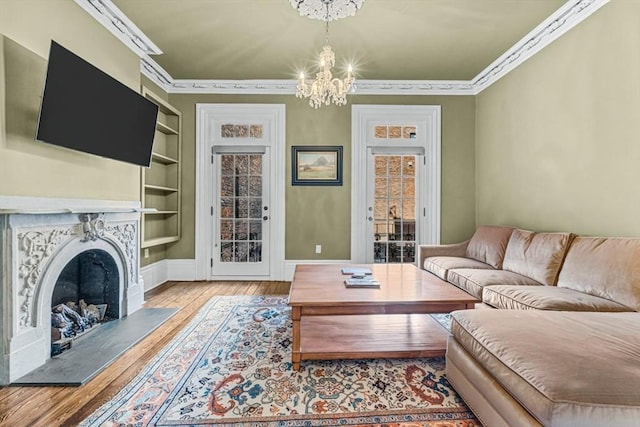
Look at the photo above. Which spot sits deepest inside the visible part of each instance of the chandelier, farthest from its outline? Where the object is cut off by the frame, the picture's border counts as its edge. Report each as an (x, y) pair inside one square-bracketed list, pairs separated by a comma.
[(325, 89)]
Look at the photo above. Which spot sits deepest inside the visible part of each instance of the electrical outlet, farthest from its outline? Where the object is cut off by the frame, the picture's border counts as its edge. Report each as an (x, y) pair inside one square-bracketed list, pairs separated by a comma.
[(146, 252), (318, 249)]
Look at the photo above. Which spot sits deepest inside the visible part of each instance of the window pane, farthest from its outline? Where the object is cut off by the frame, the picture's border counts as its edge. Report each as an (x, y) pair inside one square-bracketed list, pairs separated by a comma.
[(255, 164), (242, 230), (255, 186), (226, 186), (395, 165), (227, 165), (226, 207)]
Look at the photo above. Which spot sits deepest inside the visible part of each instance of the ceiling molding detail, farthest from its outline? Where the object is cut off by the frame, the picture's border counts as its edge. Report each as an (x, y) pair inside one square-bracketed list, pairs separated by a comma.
[(565, 18), (288, 87), (114, 20), (326, 10)]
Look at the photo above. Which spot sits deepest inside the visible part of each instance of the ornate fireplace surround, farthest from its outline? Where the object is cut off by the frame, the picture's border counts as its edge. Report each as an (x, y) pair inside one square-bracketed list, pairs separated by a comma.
[(38, 237)]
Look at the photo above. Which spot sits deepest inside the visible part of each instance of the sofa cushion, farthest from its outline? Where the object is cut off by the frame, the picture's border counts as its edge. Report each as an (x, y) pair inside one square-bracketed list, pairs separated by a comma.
[(488, 244), (546, 298), (440, 265), (565, 368), (604, 267), (475, 280), (536, 255)]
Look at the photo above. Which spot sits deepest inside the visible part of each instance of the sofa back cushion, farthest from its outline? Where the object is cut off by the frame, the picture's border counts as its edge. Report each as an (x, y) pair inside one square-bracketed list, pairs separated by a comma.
[(538, 256), (604, 267), (488, 244)]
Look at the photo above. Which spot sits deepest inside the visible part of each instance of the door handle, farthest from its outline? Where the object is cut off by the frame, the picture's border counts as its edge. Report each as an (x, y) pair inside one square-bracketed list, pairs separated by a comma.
[(370, 218), (265, 218)]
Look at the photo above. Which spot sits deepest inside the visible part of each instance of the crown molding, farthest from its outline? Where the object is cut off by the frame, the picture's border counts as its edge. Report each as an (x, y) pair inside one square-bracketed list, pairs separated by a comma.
[(288, 87), (565, 18), (114, 20)]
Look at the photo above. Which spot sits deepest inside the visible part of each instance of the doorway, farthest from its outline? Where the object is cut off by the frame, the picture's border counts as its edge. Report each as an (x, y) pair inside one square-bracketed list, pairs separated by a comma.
[(240, 191), (396, 158)]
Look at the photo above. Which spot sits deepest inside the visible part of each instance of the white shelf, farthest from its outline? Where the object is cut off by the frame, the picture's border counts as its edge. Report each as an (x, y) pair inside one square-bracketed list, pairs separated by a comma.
[(161, 127), (159, 241), (161, 213), (161, 158), (160, 188), (162, 210)]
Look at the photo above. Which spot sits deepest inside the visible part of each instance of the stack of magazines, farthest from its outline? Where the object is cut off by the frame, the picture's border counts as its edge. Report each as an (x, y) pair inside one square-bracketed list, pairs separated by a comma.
[(360, 278)]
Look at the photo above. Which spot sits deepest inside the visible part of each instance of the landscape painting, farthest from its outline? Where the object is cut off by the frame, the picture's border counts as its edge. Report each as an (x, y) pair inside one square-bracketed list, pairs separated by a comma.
[(312, 165)]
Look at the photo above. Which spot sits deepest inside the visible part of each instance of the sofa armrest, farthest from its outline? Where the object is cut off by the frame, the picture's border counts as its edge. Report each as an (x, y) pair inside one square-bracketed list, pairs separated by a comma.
[(455, 249)]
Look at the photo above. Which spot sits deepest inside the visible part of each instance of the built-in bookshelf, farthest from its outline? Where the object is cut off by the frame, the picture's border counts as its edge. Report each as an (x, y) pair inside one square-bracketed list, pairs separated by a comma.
[(161, 182)]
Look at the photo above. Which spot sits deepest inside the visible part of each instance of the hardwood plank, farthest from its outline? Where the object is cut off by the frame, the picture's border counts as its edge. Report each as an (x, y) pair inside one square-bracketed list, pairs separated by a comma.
[(66, 406)]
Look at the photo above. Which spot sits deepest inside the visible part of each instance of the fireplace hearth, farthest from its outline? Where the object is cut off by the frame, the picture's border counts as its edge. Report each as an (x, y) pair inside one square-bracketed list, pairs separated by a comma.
[(61, 251)]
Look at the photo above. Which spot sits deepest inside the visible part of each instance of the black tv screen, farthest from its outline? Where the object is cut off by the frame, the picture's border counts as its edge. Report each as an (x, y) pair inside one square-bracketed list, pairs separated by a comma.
[(87, 110)]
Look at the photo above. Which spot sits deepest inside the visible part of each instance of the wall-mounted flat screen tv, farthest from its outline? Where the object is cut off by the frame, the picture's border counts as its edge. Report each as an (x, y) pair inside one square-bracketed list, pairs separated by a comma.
[(87, 110)]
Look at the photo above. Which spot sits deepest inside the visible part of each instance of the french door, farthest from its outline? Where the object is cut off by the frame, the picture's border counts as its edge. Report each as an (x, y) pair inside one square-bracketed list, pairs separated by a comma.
[(241, 211), (395, 182), (240, 176), (392, 195)]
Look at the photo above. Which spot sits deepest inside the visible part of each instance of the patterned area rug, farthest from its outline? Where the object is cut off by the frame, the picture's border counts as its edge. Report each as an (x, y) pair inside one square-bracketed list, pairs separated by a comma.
[(232, 367)]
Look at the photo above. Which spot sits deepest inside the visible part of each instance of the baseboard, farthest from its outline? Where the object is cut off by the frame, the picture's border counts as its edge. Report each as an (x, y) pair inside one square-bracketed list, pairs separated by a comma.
[(185, 270), (154, 274), (290, 265), (168, 269), (181, 269)]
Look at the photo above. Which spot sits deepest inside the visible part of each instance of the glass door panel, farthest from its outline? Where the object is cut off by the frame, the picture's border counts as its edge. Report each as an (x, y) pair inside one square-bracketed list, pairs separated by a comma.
[(394, 212), (243, 215)]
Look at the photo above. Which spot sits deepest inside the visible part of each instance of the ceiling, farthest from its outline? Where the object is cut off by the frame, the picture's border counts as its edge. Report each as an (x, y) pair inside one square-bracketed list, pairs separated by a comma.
[(385, 40)]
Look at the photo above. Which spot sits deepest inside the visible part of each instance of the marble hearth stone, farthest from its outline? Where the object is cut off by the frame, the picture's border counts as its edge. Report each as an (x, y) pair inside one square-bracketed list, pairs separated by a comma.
[(95, 351)]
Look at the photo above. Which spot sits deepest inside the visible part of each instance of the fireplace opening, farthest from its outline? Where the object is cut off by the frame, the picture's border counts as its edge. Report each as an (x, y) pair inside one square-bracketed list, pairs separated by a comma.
[(86, 294)]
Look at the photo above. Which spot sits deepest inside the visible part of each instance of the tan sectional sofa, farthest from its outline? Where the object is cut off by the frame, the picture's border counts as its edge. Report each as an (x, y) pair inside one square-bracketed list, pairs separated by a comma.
[(563, 346)]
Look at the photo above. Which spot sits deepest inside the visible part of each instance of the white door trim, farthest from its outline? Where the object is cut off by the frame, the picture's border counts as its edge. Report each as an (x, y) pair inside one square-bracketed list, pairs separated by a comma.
[(205, 114), (362, 118)]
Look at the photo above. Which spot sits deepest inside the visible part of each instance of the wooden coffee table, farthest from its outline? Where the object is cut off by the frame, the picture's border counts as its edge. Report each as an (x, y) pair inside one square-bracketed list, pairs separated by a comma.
[(331, 321)]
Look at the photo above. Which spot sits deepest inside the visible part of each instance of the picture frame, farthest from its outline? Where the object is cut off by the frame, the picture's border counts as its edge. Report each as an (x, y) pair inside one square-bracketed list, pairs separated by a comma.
[(316, 165)]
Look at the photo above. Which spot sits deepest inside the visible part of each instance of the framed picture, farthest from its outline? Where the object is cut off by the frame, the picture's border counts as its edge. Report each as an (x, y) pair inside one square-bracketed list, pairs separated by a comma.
[(315, 165)]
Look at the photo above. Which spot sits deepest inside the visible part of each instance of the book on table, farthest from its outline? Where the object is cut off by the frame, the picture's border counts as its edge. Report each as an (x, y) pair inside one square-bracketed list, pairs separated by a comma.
[(357, 271), (364, 281)]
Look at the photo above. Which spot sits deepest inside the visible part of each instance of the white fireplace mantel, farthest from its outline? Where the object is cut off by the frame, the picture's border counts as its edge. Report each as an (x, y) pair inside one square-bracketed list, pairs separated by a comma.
[(43, 205), (38, 237)]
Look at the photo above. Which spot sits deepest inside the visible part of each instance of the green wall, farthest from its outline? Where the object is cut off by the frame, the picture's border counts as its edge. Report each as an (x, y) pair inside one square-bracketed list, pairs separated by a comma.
[(558, 139), (30, 168), (322, 215)]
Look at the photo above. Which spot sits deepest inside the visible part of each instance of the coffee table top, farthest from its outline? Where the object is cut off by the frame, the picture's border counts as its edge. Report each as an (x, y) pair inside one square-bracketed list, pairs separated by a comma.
[(323, 284)]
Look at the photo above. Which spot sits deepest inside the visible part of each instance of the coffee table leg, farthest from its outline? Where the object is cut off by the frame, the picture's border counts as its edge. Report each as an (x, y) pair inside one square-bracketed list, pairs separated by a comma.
[(295, 354)]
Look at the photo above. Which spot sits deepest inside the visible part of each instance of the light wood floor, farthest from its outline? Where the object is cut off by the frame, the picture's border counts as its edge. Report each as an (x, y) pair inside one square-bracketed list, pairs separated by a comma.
[(67, 406)]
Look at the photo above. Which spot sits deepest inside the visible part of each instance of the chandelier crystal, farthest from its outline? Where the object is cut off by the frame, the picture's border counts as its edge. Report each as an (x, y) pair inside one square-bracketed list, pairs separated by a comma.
[(325, 88)]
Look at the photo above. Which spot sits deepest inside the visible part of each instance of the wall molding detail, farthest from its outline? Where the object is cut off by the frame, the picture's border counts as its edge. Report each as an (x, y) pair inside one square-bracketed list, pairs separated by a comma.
[(562, 20)]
